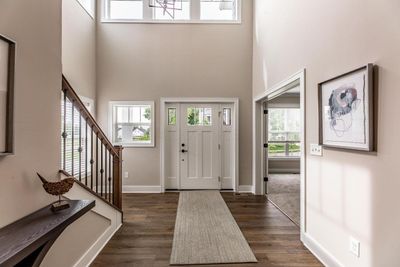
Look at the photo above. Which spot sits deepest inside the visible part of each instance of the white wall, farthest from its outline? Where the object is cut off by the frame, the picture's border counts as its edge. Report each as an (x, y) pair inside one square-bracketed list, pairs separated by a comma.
[(79, 48), (348, 194), (149, 61)]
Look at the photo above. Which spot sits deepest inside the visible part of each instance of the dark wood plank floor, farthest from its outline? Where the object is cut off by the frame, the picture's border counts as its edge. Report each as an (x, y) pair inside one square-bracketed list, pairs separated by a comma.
[(146, 237)]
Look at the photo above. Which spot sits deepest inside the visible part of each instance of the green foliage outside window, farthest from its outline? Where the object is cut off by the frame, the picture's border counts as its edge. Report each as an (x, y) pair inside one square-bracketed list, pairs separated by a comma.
[(193, 116), (147, 113)]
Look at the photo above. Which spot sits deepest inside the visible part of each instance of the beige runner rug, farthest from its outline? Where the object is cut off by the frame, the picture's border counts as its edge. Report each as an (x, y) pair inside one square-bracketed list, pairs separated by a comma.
[(206, 232)]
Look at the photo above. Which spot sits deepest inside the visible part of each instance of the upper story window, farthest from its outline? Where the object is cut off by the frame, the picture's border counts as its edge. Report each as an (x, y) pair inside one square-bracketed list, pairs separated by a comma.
[(177, 11), (218, 10), (89, 6), (125, 10)]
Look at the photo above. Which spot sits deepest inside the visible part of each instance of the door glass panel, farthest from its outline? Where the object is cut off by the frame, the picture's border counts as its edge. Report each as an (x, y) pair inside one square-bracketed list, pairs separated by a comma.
[(207, 119), (193, 116), (227, 117), (171, 116), (199, 116)]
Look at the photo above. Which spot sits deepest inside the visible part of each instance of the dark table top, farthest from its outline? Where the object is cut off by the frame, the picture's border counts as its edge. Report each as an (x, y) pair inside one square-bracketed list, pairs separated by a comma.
[(19, 239)]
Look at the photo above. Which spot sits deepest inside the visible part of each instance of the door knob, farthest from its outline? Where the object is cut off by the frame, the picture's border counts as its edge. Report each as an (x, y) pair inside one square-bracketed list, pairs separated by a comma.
[(184, 151)]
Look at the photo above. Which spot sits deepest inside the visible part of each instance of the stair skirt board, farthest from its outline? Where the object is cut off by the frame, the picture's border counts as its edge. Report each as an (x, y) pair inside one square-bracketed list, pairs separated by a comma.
[(97, 247), (103, 209)]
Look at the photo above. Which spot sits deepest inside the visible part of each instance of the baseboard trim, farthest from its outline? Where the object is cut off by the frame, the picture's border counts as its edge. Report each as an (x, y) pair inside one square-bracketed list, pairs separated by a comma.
[(246, 189), (284, 171), (319, 251), (141, 189), (157, 189)]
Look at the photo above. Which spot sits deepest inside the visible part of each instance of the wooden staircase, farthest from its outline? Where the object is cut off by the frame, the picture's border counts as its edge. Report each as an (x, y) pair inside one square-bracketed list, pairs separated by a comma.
[(86, 152)]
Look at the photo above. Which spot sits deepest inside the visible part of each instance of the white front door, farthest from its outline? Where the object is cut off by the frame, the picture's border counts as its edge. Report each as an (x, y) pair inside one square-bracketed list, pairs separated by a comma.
[(200, 157)]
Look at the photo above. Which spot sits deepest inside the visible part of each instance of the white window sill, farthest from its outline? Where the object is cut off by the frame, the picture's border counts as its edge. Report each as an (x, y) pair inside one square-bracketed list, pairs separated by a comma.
[(133, 145), (283, 158), (133, 21)]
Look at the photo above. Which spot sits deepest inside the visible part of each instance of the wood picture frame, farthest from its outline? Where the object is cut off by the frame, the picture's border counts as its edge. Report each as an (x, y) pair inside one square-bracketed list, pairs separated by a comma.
[(346, 110), (7, 75)]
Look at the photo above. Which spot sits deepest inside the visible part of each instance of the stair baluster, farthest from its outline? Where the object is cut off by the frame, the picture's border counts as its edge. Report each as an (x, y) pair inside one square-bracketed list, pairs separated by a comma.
[(102, 166)]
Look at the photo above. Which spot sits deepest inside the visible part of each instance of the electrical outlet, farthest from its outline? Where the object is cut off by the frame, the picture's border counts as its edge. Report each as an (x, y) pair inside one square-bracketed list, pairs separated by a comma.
[(354, 246), (126, 175), (316, 150)]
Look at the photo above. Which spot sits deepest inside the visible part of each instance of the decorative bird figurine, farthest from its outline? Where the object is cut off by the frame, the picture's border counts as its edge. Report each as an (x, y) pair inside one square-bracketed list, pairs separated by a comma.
[(58, 189)]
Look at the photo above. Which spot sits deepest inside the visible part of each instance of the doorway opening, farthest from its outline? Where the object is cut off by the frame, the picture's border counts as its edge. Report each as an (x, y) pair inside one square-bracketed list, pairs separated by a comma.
[(279, 147), (282, 159), (199, 144)]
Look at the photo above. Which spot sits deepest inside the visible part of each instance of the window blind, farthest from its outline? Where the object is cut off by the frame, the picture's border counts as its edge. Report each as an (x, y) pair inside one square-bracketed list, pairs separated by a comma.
[(75, 160)]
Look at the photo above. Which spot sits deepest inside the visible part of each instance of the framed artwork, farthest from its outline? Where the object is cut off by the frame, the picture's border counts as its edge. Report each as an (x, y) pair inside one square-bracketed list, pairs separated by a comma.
[(346, 110), (7, 68)]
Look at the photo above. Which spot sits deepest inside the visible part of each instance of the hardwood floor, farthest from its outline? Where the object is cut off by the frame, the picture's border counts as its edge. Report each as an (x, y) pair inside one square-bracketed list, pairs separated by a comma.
[(146, 237)]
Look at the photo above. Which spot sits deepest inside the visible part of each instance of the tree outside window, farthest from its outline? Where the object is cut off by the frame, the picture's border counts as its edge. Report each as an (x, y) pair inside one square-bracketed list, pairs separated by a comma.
[(284, 132)]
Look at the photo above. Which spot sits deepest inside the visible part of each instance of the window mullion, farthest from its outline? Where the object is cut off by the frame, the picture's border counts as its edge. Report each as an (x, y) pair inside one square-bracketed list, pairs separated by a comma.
[(195, 10), (287, 149), (148, 12), (106, 6)]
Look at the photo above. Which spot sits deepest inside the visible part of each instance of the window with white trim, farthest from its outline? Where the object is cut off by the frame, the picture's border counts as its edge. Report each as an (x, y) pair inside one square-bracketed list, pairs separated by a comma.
[(283, 132), (132, 123), (186, 11)]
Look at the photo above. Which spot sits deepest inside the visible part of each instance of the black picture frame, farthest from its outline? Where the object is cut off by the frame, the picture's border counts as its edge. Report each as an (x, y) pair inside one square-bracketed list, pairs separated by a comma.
[(9, 131), (367, 104)]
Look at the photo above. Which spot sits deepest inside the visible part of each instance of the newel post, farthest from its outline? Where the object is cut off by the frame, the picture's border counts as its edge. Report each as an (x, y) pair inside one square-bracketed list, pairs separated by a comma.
[(117, 174)]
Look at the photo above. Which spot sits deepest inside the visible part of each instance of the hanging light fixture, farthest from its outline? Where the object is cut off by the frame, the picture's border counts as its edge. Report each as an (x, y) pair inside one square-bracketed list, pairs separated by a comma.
[(168, 6)]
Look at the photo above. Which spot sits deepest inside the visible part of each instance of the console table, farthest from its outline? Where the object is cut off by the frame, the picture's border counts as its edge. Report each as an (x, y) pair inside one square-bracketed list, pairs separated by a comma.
[(26, 241)]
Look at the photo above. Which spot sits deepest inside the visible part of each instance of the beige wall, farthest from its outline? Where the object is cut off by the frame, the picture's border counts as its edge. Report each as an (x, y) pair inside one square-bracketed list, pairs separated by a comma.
[(36, 27), (348, 194), (79, 48), (149, 61)]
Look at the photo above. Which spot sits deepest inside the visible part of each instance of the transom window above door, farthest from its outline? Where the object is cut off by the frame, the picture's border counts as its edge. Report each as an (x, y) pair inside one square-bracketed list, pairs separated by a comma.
[(132, 123), (178, 11)]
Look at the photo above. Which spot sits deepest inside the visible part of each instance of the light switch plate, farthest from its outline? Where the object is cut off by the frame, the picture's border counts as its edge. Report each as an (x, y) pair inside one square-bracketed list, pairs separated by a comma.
[(316, 150), (126, 175), (354, 247)]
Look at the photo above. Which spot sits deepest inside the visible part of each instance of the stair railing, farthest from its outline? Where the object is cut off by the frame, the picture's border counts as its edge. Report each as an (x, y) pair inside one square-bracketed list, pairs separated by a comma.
[(86, 152)]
